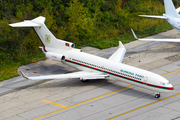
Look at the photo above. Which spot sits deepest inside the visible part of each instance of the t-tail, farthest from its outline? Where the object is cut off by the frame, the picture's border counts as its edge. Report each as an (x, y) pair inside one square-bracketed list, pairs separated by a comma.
[(49, 41), (169, 9)]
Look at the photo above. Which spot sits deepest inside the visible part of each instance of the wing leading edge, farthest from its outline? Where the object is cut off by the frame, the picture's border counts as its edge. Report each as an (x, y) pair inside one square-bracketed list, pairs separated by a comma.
[(80, 75)]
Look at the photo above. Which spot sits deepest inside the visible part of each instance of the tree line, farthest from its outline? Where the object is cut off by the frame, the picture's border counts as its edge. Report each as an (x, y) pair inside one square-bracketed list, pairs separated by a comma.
[(78, 21)]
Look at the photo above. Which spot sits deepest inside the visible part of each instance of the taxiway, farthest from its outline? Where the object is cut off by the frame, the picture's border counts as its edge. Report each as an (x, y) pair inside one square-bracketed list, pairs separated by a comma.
[(70, 99)]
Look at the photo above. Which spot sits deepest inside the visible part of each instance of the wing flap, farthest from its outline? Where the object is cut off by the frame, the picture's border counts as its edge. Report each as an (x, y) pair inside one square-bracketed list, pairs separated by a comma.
[(80, 75), (118, 56)]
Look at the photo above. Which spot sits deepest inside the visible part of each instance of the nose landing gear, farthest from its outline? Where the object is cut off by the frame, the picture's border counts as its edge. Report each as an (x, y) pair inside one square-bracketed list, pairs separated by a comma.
[(157, 95)]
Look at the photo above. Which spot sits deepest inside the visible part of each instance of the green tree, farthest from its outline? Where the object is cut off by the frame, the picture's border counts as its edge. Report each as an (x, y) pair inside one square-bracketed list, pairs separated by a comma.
[(79, 26)]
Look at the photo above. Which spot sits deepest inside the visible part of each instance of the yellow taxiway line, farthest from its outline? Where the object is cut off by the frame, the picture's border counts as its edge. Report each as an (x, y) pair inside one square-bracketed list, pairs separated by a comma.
[(171, 72), (149, 103), (55, 103), (64, 107), (83, 102), (143, 106)]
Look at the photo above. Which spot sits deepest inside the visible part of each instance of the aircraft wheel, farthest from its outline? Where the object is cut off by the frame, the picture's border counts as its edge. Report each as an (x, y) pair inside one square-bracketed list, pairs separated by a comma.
[(157, 95), (84, 81)]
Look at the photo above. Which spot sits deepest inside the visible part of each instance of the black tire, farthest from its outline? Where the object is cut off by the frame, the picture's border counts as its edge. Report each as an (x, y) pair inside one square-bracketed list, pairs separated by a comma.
[(84, 81), (157, 95)]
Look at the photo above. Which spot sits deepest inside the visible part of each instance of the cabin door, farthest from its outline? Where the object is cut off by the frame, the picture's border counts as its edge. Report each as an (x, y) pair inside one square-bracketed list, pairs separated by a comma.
[(145, 80)]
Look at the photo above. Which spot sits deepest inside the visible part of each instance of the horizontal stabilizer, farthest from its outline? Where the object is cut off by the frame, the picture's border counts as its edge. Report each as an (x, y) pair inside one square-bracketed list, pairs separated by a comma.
[(30, 23), (80, 75), (164, 40), (25, 24), (154, 16), (118, 56)]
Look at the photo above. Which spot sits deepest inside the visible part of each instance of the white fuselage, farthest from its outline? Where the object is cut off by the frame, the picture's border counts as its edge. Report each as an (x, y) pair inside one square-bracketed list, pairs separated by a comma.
[(118, 71), (173, 21)]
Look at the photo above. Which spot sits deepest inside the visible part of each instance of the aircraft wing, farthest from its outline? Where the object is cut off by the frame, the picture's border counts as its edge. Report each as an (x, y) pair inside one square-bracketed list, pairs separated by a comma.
[(154, 16), (164, 40), (81, 75), (119, 54)]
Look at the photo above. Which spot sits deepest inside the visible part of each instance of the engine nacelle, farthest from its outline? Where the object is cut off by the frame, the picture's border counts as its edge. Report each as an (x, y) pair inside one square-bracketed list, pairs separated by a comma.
[(66, 44), (55, 56), (69, 44)]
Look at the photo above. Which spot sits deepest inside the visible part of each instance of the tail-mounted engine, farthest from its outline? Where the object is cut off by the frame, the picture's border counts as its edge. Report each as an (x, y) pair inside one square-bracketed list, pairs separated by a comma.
[(55, 56), (69, 44), (65, 44)]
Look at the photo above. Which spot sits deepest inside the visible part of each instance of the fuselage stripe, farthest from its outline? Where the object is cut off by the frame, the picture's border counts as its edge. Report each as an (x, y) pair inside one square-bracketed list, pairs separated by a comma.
[(168, 88)]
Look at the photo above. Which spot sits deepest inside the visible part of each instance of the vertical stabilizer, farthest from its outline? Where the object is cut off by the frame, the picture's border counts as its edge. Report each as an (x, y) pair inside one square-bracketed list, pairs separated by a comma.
[(170, 9)]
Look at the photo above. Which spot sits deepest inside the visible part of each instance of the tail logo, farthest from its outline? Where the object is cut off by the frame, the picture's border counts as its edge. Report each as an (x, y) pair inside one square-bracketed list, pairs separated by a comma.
[(47, 38)]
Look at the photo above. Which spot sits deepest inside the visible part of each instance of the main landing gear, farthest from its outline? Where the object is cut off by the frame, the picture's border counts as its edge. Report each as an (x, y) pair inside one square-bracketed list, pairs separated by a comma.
[(84, 81), (157, 95)]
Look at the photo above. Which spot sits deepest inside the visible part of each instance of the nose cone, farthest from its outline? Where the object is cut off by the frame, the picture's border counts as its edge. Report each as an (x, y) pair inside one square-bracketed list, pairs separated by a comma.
[(171, 87), (168, 87)]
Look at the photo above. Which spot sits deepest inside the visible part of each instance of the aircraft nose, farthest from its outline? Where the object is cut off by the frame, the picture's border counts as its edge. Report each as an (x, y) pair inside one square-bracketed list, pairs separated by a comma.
[(171, 87)]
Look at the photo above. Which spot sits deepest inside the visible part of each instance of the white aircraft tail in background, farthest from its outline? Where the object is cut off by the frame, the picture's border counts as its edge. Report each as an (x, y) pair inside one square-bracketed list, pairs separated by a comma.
[(91, 66), (170, 11), (172, 17)]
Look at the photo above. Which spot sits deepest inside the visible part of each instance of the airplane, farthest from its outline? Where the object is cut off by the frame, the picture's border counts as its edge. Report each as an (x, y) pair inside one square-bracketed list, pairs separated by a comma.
[(91, 66), (171, 16)]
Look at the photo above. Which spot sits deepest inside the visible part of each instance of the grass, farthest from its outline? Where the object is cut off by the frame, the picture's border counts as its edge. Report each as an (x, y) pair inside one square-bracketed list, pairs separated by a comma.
[(128, 37), (8, 71)]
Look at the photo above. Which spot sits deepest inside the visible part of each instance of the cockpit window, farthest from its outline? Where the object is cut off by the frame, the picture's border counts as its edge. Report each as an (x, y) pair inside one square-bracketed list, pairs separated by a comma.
[(162, 83), (167, 83)]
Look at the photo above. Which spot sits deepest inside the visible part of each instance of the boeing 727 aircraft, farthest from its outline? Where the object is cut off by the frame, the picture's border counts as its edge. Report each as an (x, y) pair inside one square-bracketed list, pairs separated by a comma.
[(90, 66), (171, 16)]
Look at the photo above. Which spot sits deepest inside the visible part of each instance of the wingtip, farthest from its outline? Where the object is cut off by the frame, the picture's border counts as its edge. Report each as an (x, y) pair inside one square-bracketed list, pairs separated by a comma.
[(24, 76), (11, 25), (134, 34)]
